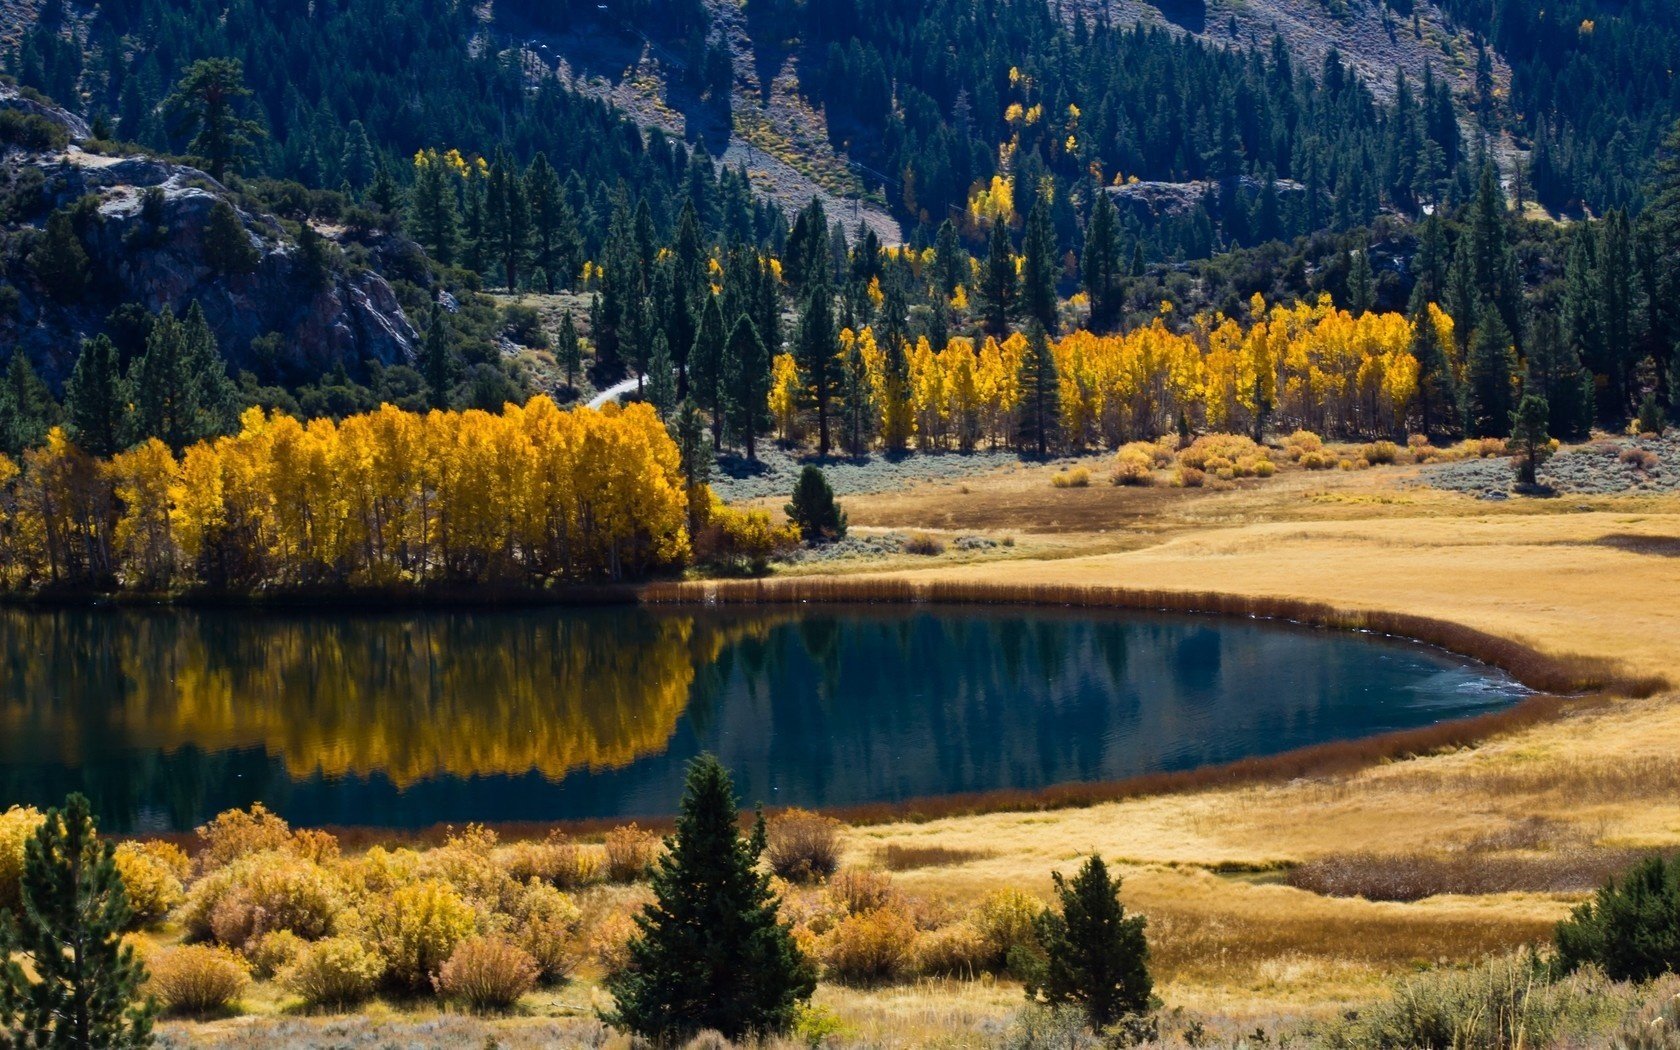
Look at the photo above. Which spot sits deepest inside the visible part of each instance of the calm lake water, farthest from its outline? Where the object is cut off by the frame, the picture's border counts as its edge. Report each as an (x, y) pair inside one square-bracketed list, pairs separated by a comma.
[(405, 720)]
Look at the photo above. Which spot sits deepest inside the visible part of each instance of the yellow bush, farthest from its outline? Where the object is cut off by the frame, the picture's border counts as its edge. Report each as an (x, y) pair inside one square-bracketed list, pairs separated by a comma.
[(379, 871), (803, 846), (150, 874), (487, 973), (467, 861), (876, 945), (338, 972), (417, 927), (743, 537), (569, 865), (238, 833), (273, 952), (1076, 478), (1380, 452), (1132, 466), (1189, 478), (858, 890), (263, 892), (1213, 452), (630, 852), (609, 942), (1006, 919), (1301, 444), (16, 826), (1318, 459), (312, 844), (196, 978), (546, 924), (957, 950)]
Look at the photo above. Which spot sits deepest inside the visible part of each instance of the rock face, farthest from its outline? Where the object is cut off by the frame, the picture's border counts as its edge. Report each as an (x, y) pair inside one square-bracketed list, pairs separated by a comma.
[(1149, 201), (155, 256)]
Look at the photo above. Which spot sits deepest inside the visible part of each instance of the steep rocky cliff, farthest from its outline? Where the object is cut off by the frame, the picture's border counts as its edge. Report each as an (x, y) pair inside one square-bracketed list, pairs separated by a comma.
[(149, 248)]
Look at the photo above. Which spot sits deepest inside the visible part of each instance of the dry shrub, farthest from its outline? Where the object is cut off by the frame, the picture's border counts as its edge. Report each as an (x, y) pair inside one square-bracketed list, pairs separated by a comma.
[(263, 892), (417, 928), (336, 972), (1076, 478), (895, 857), (379, 871), (17, 824), (152, 873), (1254, 467), (1412, 877), (318, 846), (1132, 466), (196, 978), (546, 923), (925, 544), (467, 861), (1189, 478), (1640, 459), (1380, 452), (569, 865), (1212, 453), (1301, 444), (609, 942), (871, 946), (1656, 1025), (237, 833), (273, 952), (629, 851), (487, 973), (1319, 460), (1006, 919), (957, 950), (854, 891), (803, 846)]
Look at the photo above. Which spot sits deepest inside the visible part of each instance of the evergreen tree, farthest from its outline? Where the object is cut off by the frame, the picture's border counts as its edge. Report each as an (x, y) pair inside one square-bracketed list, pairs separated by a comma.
[(1631, 928), (746, 385), (84, 991), (710, 951), (554, 227), (1000, 289), (206, 104), (384, 193), (315, 261), (1095, 955), (94, 404), (27, 410), (816, 352), (1039, 424), (1615, 290), (951, 261), (227, 247), (569, 349), (435, 221), (813, 508), (1039, 268), (1493, 263), (694, 456), (1100, 264), (1490, 369), (438, 360), (1440, 401), (662, 377), (705, 365), (1361, 287), (1533, 445), (357, 163), (59, 260), (1554, 373)]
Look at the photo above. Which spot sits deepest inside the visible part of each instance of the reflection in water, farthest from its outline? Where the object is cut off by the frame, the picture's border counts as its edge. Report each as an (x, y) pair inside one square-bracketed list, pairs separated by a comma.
[(165, 717)]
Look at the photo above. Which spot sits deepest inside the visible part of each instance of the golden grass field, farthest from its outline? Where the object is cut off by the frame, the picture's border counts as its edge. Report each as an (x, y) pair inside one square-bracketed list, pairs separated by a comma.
[(1585, 582)]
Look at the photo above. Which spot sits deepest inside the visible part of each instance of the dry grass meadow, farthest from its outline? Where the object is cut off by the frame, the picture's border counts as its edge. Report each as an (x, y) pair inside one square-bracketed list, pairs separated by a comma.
[(1293, 893)]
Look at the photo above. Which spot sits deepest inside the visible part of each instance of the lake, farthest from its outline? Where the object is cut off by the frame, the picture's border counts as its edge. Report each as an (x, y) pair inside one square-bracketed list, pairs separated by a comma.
[(165, 717)]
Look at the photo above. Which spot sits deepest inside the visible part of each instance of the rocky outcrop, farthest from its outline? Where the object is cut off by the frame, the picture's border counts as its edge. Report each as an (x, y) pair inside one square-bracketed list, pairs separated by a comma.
[(1149, 201), (145, 240)]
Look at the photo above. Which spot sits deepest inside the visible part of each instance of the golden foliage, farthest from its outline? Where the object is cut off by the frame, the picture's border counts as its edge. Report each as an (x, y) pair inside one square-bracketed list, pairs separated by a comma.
[(151, 873), (488, 973), (417, 928), (338, 971), (803, 846), (17, 825), (196, 978), (629, 852), (877, 945)]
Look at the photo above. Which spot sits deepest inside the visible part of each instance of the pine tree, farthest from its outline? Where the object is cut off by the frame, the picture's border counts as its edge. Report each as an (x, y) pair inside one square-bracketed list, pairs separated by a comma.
[(1361, 289), (438, 360), (1439, 397), (59, 259), (1554, 372), (1533, 445), (315, 261), (86, 982), (694, 456), (662, 377), (357, 163), (554, 228), (1039, 268), (746, 385), (436, 224), (569, 349), (27, 410), (94, 404), (227, 247), (710, 951), (813, 508), (816, 351), (1100, 264), (206, 103), (1000, 289), (705, 365), (1094, 954), (1039, 423), (1615, 288), (951, 261), (1490, 369), (857, 399)]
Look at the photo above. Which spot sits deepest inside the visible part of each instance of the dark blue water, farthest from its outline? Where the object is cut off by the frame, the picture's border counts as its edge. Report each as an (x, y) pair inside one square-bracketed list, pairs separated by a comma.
[(405, 720)]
